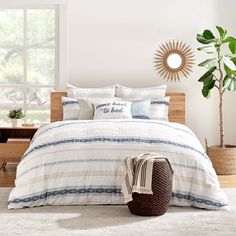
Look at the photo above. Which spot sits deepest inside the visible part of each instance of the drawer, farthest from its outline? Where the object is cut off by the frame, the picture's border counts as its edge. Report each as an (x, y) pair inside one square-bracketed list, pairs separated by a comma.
[(12, 151)]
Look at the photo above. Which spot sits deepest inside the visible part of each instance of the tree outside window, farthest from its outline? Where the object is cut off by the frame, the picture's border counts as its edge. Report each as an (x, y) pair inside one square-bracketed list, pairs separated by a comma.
[(27, 61)]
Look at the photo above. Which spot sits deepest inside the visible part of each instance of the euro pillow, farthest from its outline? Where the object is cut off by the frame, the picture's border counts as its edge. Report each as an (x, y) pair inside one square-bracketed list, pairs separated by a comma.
[(87, 108), (140, 109), (71, 108), (112, 110), (127, 93), (75, 92), (159, 109)]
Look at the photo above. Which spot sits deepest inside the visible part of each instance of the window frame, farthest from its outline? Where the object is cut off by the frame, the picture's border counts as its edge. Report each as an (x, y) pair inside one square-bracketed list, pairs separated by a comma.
[(61, 28), (61, 75)]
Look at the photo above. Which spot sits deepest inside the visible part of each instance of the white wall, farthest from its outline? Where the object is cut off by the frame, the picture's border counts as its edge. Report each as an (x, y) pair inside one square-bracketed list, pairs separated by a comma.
[(113, 41)]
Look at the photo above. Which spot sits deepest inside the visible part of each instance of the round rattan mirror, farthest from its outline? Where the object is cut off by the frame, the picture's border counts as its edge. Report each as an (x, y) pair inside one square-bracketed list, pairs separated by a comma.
[(174, 60)]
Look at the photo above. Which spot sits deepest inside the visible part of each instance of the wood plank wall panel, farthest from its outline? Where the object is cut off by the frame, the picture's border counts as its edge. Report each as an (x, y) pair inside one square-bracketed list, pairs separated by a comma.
[(56, 107), (176, 108)]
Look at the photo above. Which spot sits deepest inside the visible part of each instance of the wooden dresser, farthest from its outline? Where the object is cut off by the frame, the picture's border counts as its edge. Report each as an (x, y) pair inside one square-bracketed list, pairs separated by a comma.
[(14, 142)]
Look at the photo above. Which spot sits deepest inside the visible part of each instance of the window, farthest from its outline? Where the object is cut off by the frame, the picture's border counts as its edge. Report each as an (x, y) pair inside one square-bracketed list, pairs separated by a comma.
[(29, 60)]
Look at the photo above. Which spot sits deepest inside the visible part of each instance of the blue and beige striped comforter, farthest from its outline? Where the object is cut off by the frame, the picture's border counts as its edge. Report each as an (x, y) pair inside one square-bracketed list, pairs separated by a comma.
[(80, 162)]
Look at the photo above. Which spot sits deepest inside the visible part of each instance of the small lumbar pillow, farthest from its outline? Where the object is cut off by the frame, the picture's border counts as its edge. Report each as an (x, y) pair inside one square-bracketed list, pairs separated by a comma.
[(140, 93), (159, 109), (71, 108), (112, 110), (87, 108), (75, 92), (140, 109)]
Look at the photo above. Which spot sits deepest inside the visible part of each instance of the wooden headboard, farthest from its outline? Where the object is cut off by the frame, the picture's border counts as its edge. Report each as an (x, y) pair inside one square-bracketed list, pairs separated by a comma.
[(176, 108)]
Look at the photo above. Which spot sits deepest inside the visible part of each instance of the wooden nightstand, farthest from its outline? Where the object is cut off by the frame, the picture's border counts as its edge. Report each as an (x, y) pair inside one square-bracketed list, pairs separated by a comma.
[(11, 151)]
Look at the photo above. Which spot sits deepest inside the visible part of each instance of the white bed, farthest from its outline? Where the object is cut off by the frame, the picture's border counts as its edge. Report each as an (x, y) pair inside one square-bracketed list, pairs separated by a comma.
[(80, 162)]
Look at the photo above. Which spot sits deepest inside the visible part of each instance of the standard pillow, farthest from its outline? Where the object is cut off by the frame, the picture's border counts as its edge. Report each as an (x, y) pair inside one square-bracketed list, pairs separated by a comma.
[(75, 92), (87, 109), (71, 108), (112, 110), (140, 109), (159, 109), (140, 93)]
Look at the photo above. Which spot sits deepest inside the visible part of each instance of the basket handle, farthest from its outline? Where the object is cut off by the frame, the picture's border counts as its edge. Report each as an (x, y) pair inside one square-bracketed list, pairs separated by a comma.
[(206, 144)]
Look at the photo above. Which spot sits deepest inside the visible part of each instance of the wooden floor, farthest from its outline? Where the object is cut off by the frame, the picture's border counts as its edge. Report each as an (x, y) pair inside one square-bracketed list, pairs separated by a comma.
[(227, 181), (7, 178)]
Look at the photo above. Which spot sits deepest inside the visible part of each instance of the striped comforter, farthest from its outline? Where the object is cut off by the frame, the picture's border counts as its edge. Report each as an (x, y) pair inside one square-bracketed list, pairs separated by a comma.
[(80, 162)]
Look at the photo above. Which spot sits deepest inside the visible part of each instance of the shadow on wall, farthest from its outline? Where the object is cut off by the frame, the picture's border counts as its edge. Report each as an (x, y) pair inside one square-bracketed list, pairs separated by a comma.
[(226, 16)]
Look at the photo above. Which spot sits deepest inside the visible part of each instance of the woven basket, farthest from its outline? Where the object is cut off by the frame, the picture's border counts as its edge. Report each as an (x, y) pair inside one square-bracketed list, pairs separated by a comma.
[(223, 159), (155, 204)]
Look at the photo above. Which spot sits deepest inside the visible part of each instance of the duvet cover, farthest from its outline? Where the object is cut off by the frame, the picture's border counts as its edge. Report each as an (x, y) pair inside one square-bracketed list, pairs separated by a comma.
[(80, 162)]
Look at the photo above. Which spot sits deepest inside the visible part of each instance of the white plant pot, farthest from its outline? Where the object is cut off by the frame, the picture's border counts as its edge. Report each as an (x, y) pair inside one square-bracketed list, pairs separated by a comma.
[(16, 122)]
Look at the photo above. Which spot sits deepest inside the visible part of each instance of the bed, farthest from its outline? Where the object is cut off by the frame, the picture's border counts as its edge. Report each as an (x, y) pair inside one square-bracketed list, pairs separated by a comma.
[(80, 161)]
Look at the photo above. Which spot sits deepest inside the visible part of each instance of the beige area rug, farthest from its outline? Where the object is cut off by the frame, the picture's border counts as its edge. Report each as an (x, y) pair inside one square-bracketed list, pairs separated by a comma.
[(114, 220)]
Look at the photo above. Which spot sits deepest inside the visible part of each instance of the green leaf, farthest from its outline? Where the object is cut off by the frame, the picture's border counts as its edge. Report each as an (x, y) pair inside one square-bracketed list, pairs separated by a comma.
[(207, 34), (221, 31), (209, 82), (232, 47), (229, 83), (226, 81), (229, 39), (207, 79), (232, 86), (229, 72), (208, 49), (231, 56), (234, 60), (202, 40), (207, 74), (208, 63), (230, 64), (206, 92)]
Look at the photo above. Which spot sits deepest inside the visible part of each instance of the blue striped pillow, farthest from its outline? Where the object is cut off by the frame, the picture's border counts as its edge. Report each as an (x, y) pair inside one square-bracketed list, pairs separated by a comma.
[(159, 109), (71, 108)]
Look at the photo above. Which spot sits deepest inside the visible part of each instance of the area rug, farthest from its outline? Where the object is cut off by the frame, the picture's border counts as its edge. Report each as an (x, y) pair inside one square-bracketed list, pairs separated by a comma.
[(115, 221)]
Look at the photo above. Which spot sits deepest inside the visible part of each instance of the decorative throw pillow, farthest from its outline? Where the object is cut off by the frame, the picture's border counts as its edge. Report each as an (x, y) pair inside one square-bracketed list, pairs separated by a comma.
[(159, 109), (87, 109), (75, 92), (71, 108), (140, 109), (140, 93), (112, 110)]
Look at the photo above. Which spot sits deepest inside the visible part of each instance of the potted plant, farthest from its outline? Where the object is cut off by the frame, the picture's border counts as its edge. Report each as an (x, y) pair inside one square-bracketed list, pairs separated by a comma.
[(16, 116), (220, 75)]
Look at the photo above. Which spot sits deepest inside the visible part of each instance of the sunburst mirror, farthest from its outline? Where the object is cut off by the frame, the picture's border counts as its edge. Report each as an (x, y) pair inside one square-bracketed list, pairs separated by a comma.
[(174, 60)]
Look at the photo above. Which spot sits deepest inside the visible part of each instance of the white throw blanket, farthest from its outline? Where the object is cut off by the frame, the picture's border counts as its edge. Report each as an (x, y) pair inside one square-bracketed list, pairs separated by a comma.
[(138, 177)]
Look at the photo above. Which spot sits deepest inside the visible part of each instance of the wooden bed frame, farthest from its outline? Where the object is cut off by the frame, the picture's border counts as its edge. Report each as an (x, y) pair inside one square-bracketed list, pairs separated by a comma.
[(176, 107)]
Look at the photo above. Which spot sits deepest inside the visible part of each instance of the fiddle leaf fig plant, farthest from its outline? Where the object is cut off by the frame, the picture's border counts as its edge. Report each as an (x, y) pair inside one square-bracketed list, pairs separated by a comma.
[(221, 67)]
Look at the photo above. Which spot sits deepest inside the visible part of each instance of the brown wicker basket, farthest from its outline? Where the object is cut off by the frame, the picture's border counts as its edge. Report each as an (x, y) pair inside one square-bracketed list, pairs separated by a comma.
[(155, 204), (223, 159)]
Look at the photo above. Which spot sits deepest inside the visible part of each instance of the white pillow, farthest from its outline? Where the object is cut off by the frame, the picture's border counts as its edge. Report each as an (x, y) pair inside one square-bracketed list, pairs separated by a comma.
[(159, 109), (87, 109), (140, 93), (71, 108), (75, 92), (112, 110)]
